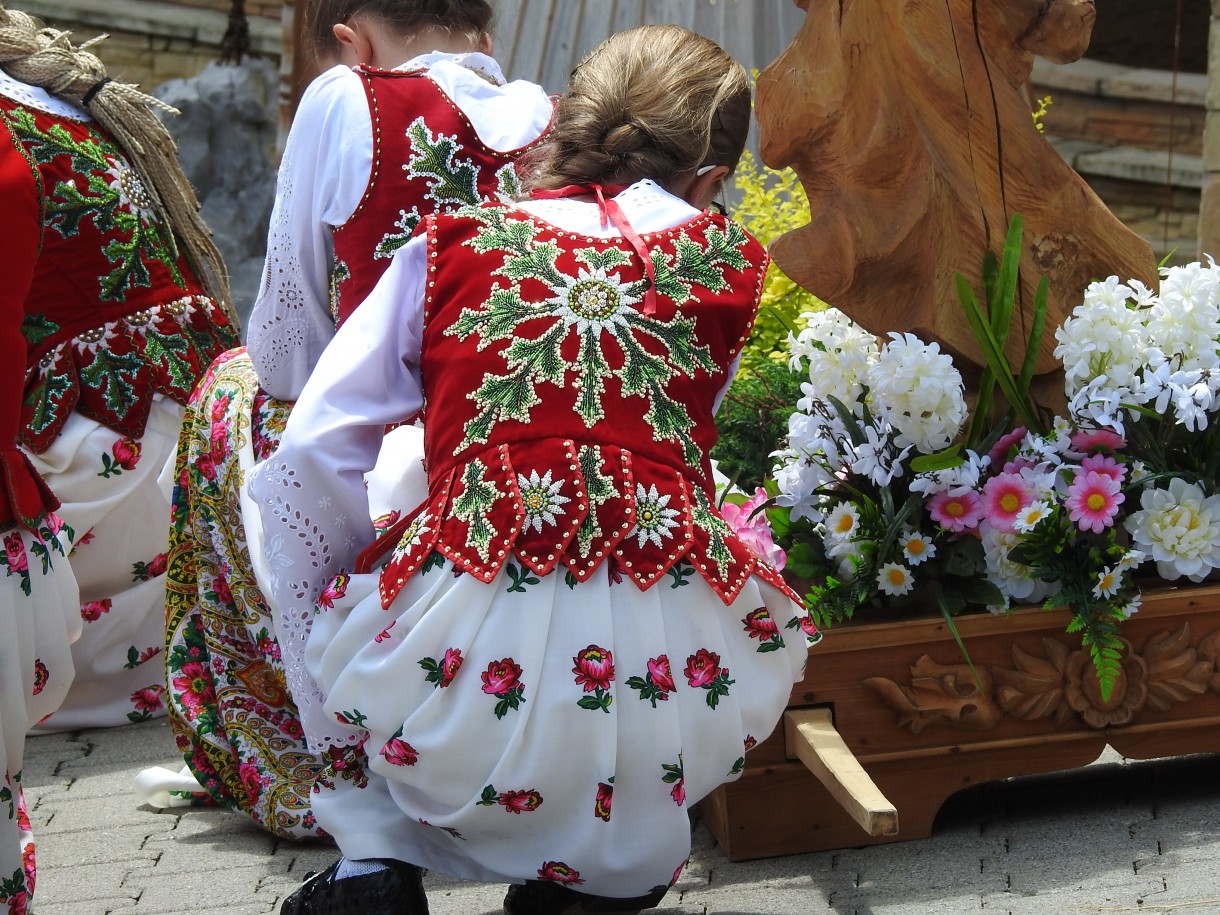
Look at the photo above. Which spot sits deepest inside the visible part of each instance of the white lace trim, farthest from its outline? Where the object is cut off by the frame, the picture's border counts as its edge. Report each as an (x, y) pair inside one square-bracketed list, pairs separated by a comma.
[(38, 98), (647, 206)]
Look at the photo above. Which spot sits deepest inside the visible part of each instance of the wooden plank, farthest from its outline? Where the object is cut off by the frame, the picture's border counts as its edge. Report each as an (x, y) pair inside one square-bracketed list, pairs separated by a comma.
[(561, 44), (812, 739)]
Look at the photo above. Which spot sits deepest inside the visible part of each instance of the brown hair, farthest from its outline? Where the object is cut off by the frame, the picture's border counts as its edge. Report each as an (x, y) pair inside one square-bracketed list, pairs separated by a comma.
[(44, 57), (652, 102), (472, 18)]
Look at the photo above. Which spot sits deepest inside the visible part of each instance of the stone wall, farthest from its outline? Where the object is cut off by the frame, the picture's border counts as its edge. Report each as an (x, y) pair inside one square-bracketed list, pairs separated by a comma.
[(152, 42)]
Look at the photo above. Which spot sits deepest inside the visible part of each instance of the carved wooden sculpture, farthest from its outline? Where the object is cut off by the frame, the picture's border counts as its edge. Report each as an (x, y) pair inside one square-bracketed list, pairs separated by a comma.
[(908, 124)]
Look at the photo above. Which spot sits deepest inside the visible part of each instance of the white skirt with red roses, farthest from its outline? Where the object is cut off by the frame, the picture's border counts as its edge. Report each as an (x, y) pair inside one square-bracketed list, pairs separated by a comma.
[(38, 621), (540, 728), (114, 492)]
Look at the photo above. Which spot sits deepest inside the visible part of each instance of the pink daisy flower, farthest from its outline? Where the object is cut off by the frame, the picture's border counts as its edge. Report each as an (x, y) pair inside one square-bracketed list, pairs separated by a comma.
[(1092, 501), (956, 511), (1105, 465), (1097, 441), (999, 451), (1004, 495)]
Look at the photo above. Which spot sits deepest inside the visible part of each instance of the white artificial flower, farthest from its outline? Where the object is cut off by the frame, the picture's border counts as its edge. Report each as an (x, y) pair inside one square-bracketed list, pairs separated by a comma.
[(964, 476), (1107, 583), (1179, 528), (1015, 580), (917, 390), (895, 579), (1102, 336), (1029, 517), (835, 351), (916, 548), (877, 459), (1130, 560)]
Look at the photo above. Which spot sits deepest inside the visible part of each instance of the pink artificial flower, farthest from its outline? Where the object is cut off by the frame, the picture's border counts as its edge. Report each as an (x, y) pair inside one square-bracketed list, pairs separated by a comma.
[(519, 802), (1097, 441), (1105, 465), (594, 668), (999, 451), (1004, 495), (754, 531), (1092, 501), (956, 511)]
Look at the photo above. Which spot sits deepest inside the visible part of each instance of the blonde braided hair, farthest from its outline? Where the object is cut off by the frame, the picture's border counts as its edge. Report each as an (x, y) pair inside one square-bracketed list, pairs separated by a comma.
[(45, 57)]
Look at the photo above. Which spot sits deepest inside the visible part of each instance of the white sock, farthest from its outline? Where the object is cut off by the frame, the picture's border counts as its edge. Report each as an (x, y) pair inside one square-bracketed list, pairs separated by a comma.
[(350, 868)]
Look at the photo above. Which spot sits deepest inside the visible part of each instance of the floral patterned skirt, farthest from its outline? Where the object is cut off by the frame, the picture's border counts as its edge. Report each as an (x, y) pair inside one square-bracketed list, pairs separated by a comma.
[(39, 618), (229, 707), (541, 728), (115, 498)]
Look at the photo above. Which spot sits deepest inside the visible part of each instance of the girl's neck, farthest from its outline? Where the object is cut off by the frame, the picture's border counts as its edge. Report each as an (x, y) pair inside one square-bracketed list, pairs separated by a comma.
[(393, 51)]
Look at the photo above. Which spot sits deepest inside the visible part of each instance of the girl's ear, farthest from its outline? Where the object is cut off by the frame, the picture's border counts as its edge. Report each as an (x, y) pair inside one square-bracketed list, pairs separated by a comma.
[(486, 46), (703, 189), (355, 47)]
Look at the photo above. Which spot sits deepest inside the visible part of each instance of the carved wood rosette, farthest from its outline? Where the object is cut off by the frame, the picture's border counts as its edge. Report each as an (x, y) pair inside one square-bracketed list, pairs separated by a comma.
[(1055, 681)]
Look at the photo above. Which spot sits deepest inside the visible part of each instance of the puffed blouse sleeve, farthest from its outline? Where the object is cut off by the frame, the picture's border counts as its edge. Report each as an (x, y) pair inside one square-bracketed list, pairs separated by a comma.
[(315, 511), (325, 169), (24, 497)]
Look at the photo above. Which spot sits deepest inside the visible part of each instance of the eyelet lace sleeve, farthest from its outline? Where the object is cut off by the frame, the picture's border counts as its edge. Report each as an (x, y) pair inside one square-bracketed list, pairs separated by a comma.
[(314, 507)]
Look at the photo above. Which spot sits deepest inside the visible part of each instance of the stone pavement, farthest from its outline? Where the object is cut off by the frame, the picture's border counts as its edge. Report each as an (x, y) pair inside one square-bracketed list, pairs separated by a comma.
[(1112, 838)]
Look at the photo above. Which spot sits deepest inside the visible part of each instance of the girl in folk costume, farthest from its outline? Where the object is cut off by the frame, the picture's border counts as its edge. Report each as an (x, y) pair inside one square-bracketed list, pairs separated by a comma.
[(123, 310), (424, 122), (532, 674)]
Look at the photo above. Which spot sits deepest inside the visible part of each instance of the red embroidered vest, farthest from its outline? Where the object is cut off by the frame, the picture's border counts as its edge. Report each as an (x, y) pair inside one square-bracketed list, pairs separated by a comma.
[(567, 425), (427, 159), (113, 315)]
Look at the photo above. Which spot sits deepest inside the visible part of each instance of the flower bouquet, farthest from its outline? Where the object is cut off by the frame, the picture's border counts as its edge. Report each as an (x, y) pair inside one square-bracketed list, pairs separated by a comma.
[(892, 491)]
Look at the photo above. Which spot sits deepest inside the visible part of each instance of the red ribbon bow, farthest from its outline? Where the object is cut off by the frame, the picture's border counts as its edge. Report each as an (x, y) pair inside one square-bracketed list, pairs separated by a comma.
[(612, 212)]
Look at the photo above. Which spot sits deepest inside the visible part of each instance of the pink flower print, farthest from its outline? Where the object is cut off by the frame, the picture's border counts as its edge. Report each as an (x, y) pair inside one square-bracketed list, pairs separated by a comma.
[(662, 676), (1097, 441), (251, 778), (1092, 501), (220, 406), (383, 523), (750, 743), (398, 752), (752, 528), (441, 674), (703, 671), (678, 792), (292, 728), (126, 453), (23, 813), (594, 668), (384, 633), (14, 553), (558, 872), (54, 523), (1004, 496), (29, 866), (223, 593), (702, 668), (86, 538), (41, 675), (674, 776), (595, 672), (956, 510), (519, 802), (148, 699), (602, 804), (91, 611), (759, 624), (334, 591), (145, 571), (502, 679), (205, 467), (658, 684), (614, 570), (193, 686)]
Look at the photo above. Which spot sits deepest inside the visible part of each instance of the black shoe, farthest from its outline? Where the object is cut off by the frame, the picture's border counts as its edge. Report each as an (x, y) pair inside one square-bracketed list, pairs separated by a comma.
[(396, 890), (544, 897)]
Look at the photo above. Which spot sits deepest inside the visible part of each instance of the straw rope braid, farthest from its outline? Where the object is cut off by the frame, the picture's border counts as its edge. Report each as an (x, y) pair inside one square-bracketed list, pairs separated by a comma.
[(46, 58)]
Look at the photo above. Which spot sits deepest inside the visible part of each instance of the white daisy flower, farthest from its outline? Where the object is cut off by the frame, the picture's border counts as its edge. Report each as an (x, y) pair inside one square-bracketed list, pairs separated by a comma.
[(1107, 583), (916, 547), (895, 579), (1027, 519)]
